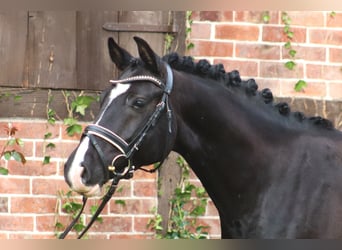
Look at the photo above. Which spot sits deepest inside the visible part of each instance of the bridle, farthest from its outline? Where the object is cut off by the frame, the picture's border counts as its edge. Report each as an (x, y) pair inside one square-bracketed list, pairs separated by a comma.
[(127, 149)]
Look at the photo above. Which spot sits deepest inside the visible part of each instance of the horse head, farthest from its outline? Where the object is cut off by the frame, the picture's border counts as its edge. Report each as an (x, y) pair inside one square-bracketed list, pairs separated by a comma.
[(134, 126)]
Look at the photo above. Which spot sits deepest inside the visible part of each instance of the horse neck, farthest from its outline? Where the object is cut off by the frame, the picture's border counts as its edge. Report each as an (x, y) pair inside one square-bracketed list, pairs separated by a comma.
[(217, 135)]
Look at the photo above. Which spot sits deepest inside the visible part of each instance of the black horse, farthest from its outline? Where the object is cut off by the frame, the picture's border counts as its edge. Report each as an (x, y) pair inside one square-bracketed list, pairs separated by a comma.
[(271, 173)]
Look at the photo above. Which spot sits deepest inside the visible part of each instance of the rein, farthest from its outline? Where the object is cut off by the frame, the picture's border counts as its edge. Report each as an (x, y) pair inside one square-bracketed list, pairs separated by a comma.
[(127, 150)]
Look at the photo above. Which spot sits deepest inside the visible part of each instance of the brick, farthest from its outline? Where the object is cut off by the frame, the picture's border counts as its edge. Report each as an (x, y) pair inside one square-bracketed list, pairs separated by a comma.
[(10, 185), (255, 16), (306, 53), (325, 36), (257, 51), (124, 189), (211, 48), (16, 223), (3, 236), (325, 72), (91, 236), (61, 149), (335, 55), (133, 206), (33, 236), (200, 30), (272, 33), (32, 168), (226, 16), (34, 130), (335, 90), (246, 68), (46, 223), (113, 224), (237, 32), (135, 236), (278, 70), (272, 84), (213, 16), (35, 205), (144, 189), (313, 89), (334, 21), (48, 186), (306, 18), (140, 224), (211, 210), (195, 15)]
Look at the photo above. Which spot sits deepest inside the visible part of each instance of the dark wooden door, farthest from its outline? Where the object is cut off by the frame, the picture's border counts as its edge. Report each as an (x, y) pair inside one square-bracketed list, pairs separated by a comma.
[(43, 52), (13, 33)]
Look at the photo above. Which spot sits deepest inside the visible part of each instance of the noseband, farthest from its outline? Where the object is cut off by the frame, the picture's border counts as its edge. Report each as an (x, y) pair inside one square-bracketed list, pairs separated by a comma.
[(127, 149)]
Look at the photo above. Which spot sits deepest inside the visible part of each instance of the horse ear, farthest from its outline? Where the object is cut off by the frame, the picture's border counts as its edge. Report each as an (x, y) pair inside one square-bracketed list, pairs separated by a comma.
[(147, 55), (119, 56)]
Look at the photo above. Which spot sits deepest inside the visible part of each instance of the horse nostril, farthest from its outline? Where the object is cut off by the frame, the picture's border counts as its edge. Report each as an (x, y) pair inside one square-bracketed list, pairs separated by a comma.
[(85, 174)]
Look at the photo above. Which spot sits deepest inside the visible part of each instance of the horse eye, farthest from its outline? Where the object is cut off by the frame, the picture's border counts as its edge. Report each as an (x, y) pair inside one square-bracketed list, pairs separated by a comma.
[(138, 103)]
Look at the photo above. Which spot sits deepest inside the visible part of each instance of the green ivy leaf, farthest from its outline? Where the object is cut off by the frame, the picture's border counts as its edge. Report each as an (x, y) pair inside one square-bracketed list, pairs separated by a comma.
[(120, 202), (190, 46), (81, 109), (290, 65), (74, 129), (288, 45), (81, 103), (79, 227), (69, 121), (50, 114), (7, 155), (46, 160), (17, 97), (72, 126), (332, 14), (11, 142), (47, 136), (198, 211), (292, 53), (51, 145), (18, 156), (266, 17), (300, 85), (3, 171), (58, 225)]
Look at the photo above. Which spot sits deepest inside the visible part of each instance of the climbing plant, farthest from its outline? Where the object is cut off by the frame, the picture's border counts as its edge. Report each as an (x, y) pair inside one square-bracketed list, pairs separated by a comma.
[(291, 51), (187, 204), (11, 149)]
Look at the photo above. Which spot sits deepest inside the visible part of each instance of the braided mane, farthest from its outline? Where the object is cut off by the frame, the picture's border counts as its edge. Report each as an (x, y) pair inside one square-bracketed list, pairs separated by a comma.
[(233, 80)]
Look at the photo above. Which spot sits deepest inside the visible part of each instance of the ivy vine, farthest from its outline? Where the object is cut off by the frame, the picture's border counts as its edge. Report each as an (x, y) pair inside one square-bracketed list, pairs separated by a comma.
[(289, 33), (187, 204), (10, 148)]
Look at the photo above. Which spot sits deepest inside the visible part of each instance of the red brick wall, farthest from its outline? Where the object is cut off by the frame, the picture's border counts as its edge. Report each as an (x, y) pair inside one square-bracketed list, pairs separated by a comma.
[(29, 203), (239, 40)]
